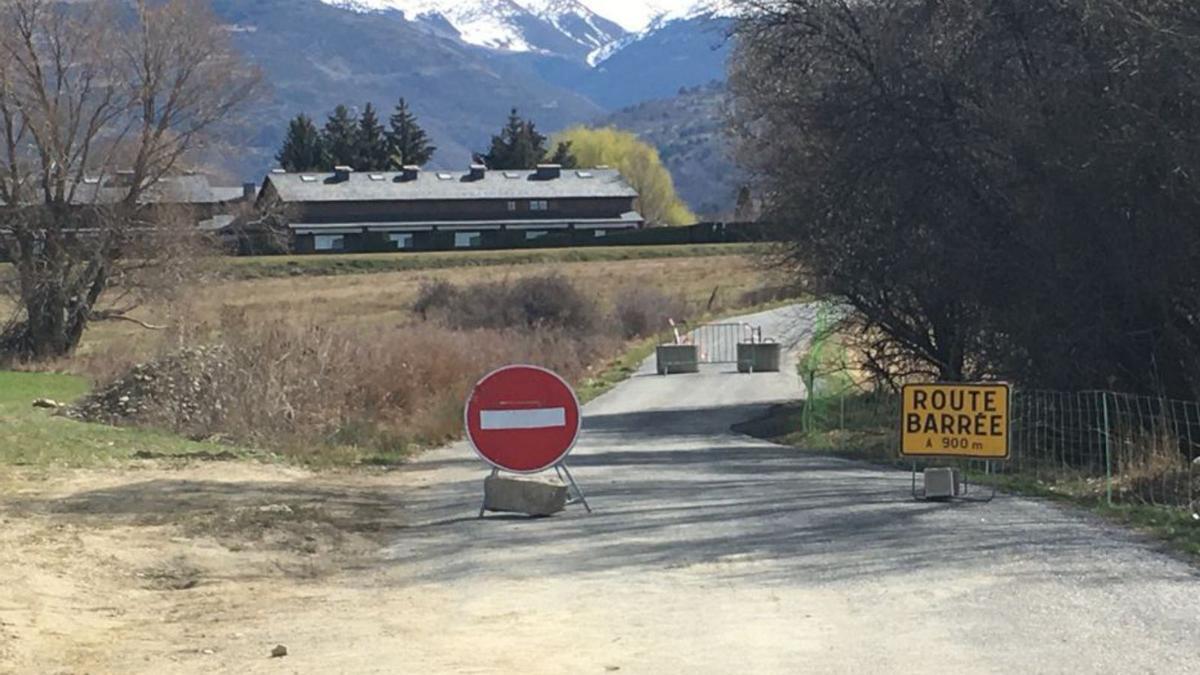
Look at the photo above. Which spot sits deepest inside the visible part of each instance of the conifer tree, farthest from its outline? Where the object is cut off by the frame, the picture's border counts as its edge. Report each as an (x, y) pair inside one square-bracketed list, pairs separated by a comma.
[(563, 156), (340, 137), (303, 149), (371, 145), (407, 141), (518, 146)]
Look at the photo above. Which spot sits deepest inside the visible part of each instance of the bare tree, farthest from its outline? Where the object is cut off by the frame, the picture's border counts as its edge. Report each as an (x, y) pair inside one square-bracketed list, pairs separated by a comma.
[(98, 103), (989, 187)]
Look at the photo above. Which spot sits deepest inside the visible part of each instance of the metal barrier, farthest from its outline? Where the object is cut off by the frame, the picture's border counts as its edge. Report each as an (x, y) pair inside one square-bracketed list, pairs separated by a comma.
[(717, 342)]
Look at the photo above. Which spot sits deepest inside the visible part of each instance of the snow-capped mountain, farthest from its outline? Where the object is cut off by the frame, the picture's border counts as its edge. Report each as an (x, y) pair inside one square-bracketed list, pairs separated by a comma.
[(587, 30), (565, 27)]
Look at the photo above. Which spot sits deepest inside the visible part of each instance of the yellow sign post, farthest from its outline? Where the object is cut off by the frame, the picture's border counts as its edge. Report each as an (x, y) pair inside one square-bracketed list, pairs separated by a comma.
[(955, 420)]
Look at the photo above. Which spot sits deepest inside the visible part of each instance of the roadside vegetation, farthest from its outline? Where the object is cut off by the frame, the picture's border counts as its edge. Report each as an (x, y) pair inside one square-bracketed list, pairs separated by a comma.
[(357, 369)]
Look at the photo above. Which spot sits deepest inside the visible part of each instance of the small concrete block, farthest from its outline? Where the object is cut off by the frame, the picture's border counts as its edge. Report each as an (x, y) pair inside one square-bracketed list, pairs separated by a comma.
[(531, 496), (942, 483)]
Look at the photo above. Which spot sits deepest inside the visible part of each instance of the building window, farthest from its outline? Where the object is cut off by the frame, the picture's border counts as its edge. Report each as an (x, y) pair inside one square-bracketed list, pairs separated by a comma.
[(401, 240), (530, 235), (329, 242), (539, 205), (512, 206), (467, 240)]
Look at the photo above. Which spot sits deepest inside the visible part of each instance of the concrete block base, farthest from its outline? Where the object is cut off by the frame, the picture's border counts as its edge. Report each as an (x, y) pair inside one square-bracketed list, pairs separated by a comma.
[(531, 496), (942, 483), (677, 359), (758, 357)]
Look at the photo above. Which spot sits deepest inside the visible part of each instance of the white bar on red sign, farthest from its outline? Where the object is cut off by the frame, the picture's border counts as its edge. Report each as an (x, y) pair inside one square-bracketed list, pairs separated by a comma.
[(532, 418)]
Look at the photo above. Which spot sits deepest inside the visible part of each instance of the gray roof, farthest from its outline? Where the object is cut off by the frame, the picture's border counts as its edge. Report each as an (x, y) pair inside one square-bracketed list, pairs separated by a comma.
[(184, 189), (179, 189), (446, 185)]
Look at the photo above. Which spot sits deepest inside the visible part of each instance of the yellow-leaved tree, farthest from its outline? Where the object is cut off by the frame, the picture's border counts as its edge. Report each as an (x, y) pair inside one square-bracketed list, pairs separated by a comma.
[(638, 162)]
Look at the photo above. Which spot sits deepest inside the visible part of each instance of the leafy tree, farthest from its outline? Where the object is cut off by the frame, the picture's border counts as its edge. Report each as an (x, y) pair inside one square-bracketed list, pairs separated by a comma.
[(517, 146), (303, 149), (563, 156), (340, 137), (407, 141), (372, 147), (638, 162)]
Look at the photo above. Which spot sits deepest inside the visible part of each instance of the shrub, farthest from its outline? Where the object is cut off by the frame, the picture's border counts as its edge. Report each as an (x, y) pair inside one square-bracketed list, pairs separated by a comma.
[(433, 295), (303, 387), (642, 311), (545, 302)]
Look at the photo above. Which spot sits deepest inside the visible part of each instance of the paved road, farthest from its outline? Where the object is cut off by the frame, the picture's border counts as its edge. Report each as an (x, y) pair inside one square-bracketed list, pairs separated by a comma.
[(713, 552)]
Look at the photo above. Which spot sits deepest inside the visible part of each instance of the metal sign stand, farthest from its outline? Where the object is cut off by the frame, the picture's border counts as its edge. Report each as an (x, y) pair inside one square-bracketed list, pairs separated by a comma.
[(919, 495), (561, 470)]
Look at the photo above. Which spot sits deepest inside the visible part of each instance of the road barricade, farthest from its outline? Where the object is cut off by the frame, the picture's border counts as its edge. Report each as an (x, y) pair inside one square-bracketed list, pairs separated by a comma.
[(677, 359), (758, 357)]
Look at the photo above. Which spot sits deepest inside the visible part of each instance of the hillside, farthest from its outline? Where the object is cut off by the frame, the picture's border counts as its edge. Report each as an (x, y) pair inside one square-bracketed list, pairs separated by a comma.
[(689, 132)]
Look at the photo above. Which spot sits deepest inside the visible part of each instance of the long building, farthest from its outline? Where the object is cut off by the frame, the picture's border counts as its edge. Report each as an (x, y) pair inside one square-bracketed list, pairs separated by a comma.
[(190, 195), (345, 210)]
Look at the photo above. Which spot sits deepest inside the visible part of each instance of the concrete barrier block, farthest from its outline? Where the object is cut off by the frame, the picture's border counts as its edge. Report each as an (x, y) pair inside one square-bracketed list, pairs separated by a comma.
[(532, 496), (758, 357), (942, 483), (677, 359)]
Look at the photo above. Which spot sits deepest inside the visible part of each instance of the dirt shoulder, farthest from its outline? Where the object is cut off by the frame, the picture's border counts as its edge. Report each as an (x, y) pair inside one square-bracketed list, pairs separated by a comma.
[(166, 568)]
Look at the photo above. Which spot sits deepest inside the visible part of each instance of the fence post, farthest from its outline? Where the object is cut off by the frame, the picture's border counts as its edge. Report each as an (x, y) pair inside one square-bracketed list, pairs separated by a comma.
[(810, 400), (1107, 452)]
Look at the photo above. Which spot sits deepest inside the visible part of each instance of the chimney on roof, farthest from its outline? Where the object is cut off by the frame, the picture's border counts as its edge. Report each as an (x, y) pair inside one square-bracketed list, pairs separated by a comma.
[(409, 172), (249, 190), (478, 171), (342, 173), (548, 171)]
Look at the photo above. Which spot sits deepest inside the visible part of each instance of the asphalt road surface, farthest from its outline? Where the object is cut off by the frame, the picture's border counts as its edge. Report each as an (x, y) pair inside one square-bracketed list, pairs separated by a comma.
[(712, 552)]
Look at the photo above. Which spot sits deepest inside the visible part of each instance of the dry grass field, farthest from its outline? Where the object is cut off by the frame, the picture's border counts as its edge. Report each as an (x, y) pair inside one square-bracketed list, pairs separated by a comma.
[(385, 298)]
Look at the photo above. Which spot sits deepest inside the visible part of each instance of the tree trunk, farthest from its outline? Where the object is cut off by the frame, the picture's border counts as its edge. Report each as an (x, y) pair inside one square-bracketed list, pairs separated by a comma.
[(57, 303)]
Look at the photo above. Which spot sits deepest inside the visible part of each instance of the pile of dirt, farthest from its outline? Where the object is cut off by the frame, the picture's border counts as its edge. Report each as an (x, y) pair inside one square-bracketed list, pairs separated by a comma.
[(181, 391)]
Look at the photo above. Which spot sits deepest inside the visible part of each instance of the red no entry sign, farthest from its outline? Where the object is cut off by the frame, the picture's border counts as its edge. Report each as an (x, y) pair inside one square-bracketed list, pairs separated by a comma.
[(522, 419)]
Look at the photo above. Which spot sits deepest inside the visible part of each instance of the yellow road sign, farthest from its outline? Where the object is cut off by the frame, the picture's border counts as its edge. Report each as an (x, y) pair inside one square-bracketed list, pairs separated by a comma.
[(955, 420)]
